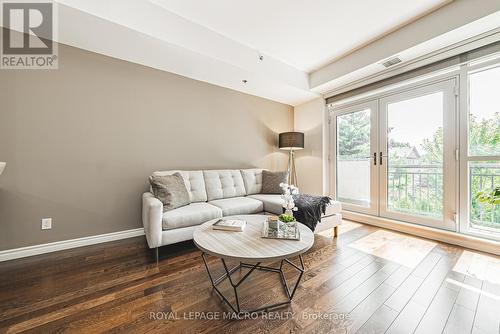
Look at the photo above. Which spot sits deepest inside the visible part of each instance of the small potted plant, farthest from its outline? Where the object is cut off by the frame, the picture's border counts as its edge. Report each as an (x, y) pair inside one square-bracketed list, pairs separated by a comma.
[(286, 218)]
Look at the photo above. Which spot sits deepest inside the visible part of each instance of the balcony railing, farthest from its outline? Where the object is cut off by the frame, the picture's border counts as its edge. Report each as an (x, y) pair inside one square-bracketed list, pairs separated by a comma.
[(418, 189), (484, 177)]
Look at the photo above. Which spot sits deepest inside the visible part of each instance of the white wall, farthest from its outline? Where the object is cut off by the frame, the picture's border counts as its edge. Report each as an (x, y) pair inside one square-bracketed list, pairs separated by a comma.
[(81, 141), (308, 118)]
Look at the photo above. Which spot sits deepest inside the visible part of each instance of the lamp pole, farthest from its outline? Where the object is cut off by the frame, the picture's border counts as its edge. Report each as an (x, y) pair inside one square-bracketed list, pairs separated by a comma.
[(292, 171)]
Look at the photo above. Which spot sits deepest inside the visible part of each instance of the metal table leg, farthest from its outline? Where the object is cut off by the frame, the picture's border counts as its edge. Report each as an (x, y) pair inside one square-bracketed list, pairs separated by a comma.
[(227, 275)]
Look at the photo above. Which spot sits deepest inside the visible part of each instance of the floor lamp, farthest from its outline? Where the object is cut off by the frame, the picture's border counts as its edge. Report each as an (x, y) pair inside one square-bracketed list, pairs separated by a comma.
[(291, 141)]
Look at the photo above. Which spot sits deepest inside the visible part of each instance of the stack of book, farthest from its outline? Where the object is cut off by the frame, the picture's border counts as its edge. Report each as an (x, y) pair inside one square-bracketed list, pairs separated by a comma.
[(234, 225)]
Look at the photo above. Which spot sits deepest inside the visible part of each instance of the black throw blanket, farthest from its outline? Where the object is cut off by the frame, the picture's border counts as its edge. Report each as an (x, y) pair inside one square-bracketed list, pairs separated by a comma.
[(310, 209)]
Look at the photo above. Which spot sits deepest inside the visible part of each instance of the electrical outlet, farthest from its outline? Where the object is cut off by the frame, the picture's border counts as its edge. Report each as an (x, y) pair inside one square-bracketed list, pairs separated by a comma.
[(46, 223)]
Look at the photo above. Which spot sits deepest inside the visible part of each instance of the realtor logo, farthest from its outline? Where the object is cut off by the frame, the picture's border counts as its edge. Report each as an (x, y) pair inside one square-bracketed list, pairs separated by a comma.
[(27, 35)]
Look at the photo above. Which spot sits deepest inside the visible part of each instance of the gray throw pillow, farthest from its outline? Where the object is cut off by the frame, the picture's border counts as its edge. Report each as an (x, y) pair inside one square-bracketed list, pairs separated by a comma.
[(271, 182), (170, 190)]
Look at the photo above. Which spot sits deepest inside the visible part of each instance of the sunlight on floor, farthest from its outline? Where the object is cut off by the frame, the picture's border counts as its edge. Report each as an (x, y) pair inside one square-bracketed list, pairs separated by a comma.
[(345, 227), (480, 266), (399, 248), (473, 289)]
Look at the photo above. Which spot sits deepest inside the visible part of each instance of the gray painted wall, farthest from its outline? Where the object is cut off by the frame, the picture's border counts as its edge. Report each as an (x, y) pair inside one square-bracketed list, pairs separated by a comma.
[(80, 141)]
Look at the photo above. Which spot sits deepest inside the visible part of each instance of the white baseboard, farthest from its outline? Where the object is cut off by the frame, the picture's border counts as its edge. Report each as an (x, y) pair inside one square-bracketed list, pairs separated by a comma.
[(484, 245), (17, 253)]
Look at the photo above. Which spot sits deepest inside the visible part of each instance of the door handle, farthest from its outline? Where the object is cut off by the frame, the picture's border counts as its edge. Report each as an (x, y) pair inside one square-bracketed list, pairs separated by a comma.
[(375, 158), (382, 156)]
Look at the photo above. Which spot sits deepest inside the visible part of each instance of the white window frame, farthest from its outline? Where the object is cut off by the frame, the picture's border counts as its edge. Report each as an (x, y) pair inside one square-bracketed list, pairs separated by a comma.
[(464, 193), (460, 74)]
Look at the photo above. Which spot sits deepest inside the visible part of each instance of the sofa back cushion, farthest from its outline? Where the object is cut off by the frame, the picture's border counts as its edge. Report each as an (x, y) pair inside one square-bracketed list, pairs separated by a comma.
[(223, 183), (194, 181), (252, 179)]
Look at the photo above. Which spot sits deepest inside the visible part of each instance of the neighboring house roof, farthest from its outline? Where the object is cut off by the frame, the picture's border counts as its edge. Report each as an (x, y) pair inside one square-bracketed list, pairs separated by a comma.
[(405, 152)]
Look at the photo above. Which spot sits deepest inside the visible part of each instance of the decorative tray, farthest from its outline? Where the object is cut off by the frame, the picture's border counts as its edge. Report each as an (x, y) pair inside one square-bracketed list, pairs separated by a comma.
[(285, 231)]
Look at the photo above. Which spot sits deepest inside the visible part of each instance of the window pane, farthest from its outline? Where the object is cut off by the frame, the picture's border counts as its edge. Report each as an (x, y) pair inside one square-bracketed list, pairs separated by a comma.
[(353, 158), (415, 156), (484, 176), (484, 117)]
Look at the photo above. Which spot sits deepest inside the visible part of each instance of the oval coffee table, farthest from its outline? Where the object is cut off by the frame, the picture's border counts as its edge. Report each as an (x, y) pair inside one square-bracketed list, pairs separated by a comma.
[(250, 249)]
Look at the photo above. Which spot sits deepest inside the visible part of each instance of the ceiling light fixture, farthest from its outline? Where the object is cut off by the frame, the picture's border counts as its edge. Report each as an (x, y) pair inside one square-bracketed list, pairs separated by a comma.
[(244, 81)]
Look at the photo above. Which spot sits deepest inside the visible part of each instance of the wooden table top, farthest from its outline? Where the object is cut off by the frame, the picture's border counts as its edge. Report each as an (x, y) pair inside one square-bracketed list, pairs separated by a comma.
[(249, 246)]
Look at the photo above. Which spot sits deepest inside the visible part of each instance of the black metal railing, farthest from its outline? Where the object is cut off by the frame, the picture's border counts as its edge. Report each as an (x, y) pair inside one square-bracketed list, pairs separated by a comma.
[(418, 189)]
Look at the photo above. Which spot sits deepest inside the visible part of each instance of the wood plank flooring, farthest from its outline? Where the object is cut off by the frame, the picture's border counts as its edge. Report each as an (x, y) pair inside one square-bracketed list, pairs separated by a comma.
[(366, 288)]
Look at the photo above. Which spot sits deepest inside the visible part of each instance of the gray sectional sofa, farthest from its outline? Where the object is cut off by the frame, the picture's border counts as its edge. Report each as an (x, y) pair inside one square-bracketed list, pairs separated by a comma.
[(213, 194)]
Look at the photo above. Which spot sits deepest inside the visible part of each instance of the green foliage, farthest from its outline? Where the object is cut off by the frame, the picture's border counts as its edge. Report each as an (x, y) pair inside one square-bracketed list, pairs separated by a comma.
[(491, 196), (484, 139), (433, 148), (354, 135), (286, 218), (484, 135), (484, 176)]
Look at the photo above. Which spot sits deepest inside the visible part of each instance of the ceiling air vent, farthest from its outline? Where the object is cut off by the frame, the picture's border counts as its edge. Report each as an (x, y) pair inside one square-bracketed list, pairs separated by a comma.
[(391, 61)]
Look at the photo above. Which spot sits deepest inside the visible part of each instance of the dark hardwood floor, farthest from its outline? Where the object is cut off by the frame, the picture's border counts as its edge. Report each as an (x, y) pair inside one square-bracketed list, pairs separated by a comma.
[(117, 287)]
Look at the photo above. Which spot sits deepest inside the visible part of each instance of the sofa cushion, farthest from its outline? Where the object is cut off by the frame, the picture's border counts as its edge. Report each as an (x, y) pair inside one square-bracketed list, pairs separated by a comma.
[(271, 181), (194, 181), (272, 203), (238, 206), (252, 178), (223, 184), (189, 215), (170, 190)]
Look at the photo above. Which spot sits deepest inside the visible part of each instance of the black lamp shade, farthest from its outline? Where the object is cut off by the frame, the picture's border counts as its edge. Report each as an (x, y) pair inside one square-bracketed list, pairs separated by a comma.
[(291, 140)]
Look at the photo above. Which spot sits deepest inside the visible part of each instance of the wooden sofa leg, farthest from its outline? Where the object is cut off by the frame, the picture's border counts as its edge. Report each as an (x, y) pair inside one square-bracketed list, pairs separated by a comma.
[(156, 255), (335, 231)]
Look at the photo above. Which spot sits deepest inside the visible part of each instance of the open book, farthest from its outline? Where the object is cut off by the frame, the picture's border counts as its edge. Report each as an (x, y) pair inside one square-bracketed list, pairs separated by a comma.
[(235, 225)]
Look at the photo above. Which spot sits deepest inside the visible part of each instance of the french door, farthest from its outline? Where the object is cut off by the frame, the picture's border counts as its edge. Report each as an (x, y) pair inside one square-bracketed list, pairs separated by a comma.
[(395, 156)]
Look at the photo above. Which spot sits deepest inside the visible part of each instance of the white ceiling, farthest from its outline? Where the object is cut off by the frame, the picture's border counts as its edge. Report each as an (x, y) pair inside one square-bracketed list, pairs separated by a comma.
[(306, 34), (310, 47)]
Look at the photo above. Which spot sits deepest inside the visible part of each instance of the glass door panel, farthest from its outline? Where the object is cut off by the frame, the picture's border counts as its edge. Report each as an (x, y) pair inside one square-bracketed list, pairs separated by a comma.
[(355, 144), (416, 143), (415, 156)]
